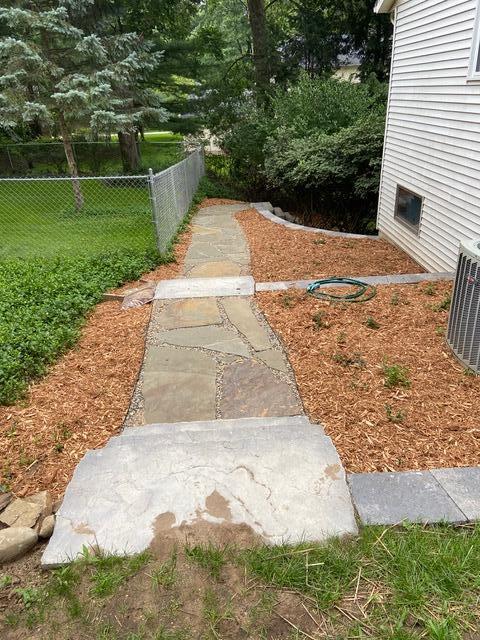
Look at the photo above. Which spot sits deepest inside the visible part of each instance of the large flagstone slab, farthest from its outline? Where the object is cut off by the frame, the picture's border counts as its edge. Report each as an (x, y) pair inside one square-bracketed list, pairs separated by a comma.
[(178, 385), (252, 389), (192, 312), (240, 314), (126, 498), (213, 338)]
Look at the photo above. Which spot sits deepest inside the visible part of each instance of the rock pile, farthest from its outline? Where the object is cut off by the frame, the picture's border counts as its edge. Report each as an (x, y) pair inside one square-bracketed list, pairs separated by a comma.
[(23, 521)]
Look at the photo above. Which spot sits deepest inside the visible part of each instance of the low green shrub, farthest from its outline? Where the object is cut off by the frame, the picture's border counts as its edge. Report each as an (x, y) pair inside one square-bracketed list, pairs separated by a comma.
[(43, 303)]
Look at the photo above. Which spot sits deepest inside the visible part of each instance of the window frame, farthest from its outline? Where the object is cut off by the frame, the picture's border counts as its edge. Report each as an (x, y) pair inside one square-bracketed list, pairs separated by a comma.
[(473, 74), (415, 228)]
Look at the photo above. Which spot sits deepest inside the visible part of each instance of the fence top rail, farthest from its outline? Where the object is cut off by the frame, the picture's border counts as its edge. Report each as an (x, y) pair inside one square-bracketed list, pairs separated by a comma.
[(70, 178), (13, 145)]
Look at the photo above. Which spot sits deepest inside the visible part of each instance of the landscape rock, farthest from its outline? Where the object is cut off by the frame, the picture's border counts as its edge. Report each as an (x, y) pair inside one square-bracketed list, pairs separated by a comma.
[(44, 500), (21, 513), (47, 526), (5, 499), (15, 541), (57, 504)]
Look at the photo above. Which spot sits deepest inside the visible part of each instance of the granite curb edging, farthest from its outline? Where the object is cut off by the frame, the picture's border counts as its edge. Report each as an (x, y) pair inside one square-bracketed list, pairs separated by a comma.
[(450, 495)]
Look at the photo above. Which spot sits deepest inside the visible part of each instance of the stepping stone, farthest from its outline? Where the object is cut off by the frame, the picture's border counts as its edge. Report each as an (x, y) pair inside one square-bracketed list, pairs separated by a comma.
[(211, 337), (252, 389), (212, 269), (127, 498), (240, 314), (274, 359), (195, 312), (178, 385), (391, 498), (204, 287), (463, 486)]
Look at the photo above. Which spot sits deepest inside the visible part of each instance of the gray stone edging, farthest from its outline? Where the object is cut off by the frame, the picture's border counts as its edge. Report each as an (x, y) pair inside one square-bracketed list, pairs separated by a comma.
[(432, 496), (406, 278), (263, 209)]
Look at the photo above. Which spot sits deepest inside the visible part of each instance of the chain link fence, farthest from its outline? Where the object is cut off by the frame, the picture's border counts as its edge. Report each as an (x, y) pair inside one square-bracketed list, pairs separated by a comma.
[(63, 215)]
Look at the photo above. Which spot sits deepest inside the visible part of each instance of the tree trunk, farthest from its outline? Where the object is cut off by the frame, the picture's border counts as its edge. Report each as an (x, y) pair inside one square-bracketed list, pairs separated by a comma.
[(129, 151), (258, 26), (72, 164)]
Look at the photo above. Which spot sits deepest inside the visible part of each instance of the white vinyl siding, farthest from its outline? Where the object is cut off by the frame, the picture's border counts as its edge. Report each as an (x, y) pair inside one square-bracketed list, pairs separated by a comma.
[(432, 141)]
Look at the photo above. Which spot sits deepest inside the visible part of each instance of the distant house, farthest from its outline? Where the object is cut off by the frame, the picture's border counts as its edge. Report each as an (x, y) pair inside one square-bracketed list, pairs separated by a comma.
[(430, 184), (348, 68)]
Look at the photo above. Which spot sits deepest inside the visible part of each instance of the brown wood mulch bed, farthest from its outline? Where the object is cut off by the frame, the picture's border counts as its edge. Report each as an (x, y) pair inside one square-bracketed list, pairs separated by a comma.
[(280, 253), (340, 354), (84, 398)]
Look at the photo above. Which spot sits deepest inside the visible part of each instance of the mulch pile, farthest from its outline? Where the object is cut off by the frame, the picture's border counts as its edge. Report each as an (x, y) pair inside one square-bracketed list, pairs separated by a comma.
[(84, 398), (280, 253), (339, 359)]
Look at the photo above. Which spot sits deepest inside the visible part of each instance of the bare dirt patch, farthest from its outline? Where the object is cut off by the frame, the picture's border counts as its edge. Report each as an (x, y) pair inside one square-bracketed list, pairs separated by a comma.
[(279, 253), (380, 377)]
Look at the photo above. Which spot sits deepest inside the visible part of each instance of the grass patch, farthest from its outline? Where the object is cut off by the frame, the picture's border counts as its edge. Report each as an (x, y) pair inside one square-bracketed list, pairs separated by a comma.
[(208, 557), (398, 583)]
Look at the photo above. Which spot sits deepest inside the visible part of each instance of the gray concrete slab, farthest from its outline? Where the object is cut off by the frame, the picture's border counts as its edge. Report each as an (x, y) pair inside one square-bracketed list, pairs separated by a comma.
[(122, 500), (252, 389), (204, 287), (209, 337), (178, 385), (390, 498), (195, 312), (463, 486), (240, 314)]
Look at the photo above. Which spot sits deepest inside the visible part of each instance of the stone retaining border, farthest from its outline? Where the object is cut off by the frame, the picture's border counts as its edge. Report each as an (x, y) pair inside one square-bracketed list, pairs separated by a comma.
[(438, 495), (265, 209), (404, 278)]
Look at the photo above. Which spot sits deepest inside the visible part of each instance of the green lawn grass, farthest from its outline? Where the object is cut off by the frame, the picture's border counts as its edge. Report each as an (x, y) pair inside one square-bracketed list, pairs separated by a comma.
[(56, 265), (400, 583)]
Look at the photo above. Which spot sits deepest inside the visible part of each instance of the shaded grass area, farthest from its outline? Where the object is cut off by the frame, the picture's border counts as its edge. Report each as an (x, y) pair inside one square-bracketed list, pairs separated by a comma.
[(39, 158), (402, 583)]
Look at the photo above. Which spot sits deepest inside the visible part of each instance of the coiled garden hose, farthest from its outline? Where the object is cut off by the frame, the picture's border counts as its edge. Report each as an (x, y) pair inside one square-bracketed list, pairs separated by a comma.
[(363, 292)]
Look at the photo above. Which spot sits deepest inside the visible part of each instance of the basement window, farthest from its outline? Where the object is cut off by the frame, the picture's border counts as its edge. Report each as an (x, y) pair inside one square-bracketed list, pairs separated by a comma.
[(408, 208)]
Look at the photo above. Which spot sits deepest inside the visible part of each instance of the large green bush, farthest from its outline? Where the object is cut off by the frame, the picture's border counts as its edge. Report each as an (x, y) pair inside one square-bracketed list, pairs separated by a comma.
[(318, 149)]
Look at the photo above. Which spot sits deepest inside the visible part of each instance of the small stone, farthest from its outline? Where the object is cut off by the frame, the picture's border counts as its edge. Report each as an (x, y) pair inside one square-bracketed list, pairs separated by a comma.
[(46, 528), (21, 513), (44, 500), (5, 499), (57, 504), (15, 541)]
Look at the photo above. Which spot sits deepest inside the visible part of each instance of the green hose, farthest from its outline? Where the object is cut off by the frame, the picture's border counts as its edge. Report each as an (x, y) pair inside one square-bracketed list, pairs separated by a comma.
[(363, 292)]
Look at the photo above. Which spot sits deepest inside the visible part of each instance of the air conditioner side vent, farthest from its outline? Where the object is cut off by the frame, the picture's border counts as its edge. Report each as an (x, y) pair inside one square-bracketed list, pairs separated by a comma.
[(463, 334)]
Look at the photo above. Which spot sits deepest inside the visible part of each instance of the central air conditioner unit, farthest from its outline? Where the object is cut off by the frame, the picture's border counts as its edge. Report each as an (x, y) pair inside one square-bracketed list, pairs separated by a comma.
[(463, 334)]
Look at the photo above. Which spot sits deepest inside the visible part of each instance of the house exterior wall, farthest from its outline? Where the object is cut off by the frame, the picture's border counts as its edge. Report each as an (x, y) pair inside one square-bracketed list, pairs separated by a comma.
[(432, 140)]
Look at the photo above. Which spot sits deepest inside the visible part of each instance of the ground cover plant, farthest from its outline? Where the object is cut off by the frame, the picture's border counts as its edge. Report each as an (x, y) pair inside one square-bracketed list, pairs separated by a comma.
[(315, 255), (380, 377), (46, 305), (399, 583)]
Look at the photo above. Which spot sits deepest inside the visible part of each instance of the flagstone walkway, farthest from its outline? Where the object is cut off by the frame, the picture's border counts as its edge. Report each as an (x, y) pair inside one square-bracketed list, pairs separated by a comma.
[(217, 440), (213, 357)]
